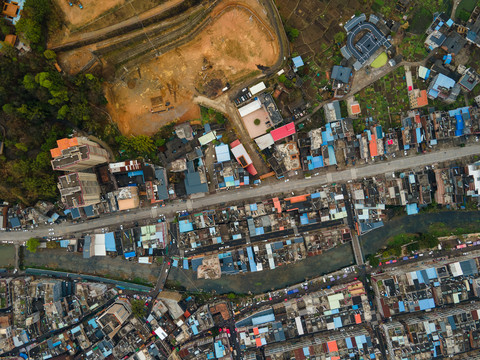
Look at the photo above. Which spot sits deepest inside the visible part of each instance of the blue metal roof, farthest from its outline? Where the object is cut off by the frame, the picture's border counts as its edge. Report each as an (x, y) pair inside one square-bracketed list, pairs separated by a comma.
[(297, 61), (251, 261), (193, 183), (315, 162), (75, 213), (86, 247), (331, 155), (426, 304), (263, 319), (412, 209), (185, 226), (419, 135), (15, 222), (444, 81), (223, 153), (110, 242)]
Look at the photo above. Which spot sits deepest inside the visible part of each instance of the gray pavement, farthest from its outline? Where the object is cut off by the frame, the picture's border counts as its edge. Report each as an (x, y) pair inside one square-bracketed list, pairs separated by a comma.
[(368, 170)]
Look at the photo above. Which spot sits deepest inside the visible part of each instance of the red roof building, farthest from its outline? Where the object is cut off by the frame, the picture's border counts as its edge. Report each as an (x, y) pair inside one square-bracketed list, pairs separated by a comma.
[(283, 131), (373, 146), (238, 150)]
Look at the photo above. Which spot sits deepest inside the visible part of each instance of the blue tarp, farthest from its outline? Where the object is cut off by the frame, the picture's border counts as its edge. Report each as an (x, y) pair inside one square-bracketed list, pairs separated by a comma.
[(401, 306), (175, 263), (135, 173), (129, 254), (185, 264)]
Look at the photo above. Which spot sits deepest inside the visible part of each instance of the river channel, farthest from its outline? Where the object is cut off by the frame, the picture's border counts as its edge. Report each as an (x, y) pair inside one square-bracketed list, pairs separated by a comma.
[(329, 261)]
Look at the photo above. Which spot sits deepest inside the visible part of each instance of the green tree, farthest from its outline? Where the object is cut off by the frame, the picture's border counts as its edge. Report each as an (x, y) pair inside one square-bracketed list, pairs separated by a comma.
[(292, 33), (62, 112), (159, 142), (30, 30), (32, 245), (49, 54), (373, 260), (22, 147), (29, 82), (141, 144), (33, 21), (339, 37), (8, 109), (256, 122), (138, 308), (5, 27)]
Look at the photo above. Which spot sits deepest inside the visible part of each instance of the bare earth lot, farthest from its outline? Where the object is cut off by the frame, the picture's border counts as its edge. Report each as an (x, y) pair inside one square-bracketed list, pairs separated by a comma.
[(91, 10), (227, 50)]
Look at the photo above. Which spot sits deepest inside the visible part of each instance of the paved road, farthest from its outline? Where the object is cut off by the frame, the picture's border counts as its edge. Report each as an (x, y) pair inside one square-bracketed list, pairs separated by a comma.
[(259, 192)]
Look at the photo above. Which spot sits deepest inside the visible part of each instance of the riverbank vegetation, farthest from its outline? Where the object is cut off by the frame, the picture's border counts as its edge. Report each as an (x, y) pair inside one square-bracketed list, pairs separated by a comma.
[(410, 243)]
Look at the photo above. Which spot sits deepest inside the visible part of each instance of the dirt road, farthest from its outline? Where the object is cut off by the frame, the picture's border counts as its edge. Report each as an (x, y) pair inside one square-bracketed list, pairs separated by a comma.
[(82, 39)]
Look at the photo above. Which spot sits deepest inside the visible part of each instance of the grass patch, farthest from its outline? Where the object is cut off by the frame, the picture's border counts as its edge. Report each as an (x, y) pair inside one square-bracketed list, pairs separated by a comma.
[(464, 9), (421, 20), (380, 61)]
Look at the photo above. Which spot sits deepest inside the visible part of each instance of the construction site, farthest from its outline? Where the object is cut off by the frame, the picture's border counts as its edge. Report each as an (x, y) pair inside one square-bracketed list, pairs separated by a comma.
[(156, 62)]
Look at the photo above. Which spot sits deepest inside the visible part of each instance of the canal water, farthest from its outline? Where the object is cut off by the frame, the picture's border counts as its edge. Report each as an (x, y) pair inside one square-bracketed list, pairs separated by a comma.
[(327, 262), (375, 240)]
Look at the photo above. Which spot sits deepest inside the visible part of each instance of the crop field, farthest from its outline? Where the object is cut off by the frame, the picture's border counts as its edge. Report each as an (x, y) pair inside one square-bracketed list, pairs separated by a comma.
[(386, 99)]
